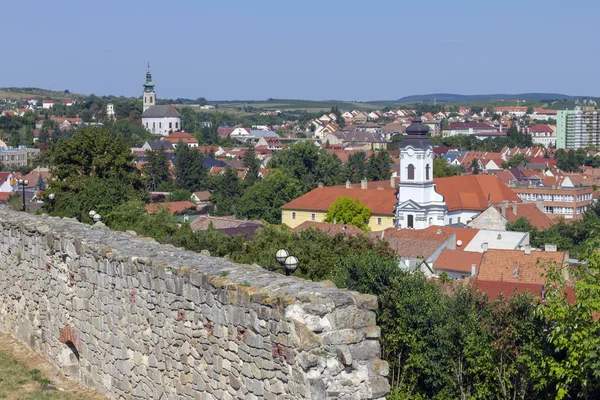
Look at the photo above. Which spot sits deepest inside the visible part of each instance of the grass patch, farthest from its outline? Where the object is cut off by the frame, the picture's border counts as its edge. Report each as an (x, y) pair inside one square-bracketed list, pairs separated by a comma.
[(18, 381)]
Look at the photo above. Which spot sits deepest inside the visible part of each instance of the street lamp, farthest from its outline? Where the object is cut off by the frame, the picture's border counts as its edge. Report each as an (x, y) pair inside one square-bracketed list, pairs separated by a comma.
[(288, 262), (51, 198), (94, 216), (23, 183)]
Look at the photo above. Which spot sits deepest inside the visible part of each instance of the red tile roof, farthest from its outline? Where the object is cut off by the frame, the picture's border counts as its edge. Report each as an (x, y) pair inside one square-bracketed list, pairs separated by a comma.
[(412, 243), (472, 192), (540, 128), (530, 211), (380, 202), (173, 207), (185, 137), (457, 260), (494, 288), (516, 266), (463, 235)]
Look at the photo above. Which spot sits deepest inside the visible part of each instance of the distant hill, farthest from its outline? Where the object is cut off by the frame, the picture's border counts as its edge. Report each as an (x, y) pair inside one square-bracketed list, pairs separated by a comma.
[(18, 93), (461, 98)]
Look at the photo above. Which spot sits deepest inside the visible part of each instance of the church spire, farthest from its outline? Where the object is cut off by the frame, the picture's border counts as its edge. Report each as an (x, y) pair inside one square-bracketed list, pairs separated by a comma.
[(149, 96), (149, 85)]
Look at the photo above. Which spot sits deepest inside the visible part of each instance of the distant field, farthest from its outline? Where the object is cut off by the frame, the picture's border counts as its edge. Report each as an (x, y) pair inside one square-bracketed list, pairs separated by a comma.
[(305, 105), (17, 94)]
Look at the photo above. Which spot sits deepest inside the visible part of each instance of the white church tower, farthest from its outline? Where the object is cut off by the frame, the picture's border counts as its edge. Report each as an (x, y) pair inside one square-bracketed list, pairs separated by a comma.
[(149, 96), (419, 205)]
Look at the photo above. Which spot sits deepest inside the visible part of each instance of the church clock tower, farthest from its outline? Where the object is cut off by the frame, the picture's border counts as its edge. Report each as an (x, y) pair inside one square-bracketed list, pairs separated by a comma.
[(419, 205), (149, 96)]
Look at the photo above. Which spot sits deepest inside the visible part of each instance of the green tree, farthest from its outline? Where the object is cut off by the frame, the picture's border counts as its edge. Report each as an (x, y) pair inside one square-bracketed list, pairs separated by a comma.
[(156, 170), (530, 110), (356, 168), (379, 166), (225, 191), (93, 170), (264, 199), (252, 164), (180, 195), (574, 330), (349, 211), (522, 224), (441, 169), (475, 169), (190, 174), (515, 161)]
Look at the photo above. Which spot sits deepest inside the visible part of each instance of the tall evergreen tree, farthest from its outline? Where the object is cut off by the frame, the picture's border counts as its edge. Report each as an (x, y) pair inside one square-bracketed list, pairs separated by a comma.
[(252, 164), (379, 165), (356, 167), (190, 174), (156, 168)]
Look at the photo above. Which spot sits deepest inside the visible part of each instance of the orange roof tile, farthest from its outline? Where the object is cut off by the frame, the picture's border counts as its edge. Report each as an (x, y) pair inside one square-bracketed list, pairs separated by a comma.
[(494, 288), (516, 266), (530, 211), (412, 243), (173, 207), (457, 260), (380, 202), (464, 235), (472, 192)]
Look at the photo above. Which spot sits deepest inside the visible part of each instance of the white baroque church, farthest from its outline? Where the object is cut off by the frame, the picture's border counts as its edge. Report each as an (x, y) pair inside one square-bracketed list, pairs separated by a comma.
[(159, 120), (419, 205)]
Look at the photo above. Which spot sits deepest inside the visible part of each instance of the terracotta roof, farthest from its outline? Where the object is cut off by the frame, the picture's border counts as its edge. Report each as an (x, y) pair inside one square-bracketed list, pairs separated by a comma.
[(173, 207), (530, 211), (5, 195), (185, 137), (494, 288), (464, 235), (472, 192), (331, 229), (541, 128), (412, 243), (457, 260), (505, 176), (379, 201), (516, 266), (202, 196)]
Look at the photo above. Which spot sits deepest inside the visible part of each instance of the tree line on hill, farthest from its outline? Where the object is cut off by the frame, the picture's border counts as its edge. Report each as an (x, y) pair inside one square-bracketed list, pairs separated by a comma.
[(441, 339)]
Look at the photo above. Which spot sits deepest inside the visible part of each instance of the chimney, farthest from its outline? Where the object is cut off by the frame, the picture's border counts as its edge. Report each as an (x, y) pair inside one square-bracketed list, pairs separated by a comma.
[(549, 247), (320, 184), (527, 250), (439, 231), (392, 183), (363, 183), (348, 184), (539, 203), (473, 269), (485, 247), (503, 207), (516, 272), (514, 207), (382, 234)]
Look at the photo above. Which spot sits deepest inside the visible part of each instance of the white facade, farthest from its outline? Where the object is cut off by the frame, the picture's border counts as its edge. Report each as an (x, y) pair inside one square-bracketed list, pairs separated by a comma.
[(149, 99), (162, 125), (47, 105), (110, 110), (419, 205)]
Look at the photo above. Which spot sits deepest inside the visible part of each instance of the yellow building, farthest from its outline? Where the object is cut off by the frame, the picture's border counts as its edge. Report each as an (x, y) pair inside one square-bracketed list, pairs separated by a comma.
[(380, 197)]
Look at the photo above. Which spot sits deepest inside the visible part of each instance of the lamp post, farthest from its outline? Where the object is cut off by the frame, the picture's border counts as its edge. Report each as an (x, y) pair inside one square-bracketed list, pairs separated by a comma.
[(23, 183), (51, 198), (288, 262), (95, 216)]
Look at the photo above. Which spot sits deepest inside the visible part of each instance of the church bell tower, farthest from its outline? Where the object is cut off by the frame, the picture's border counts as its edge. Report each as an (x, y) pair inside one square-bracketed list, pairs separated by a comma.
[(149, 96), (419, 205)]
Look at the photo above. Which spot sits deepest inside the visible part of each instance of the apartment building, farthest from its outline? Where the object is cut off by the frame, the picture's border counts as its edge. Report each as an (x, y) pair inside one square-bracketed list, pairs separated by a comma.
[(578, 128), (16, 157), (565, 202)]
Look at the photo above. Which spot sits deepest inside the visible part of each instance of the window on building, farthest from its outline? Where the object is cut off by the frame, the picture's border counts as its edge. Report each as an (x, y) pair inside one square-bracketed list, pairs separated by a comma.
[(160, 125), (170, 125), (411, 222), (458, 220), (176, 125), (293, 215), (450, 221), (313, 217), (411, 172), (146, 125), (378, 221), (427, 171), (153, 125)]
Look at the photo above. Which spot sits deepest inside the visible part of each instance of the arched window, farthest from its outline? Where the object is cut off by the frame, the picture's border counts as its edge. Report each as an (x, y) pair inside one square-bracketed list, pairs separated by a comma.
[(411, 172), (427, 171)]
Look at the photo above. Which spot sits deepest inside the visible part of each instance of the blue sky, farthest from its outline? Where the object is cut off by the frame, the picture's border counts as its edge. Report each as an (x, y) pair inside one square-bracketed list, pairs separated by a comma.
[(345, 50)]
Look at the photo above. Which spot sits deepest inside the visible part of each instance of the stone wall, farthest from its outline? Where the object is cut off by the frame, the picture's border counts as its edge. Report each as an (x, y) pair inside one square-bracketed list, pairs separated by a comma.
[(135, 319)]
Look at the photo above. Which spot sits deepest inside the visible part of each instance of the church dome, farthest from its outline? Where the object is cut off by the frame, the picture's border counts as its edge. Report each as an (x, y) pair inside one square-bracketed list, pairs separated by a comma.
[(417, 128)]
